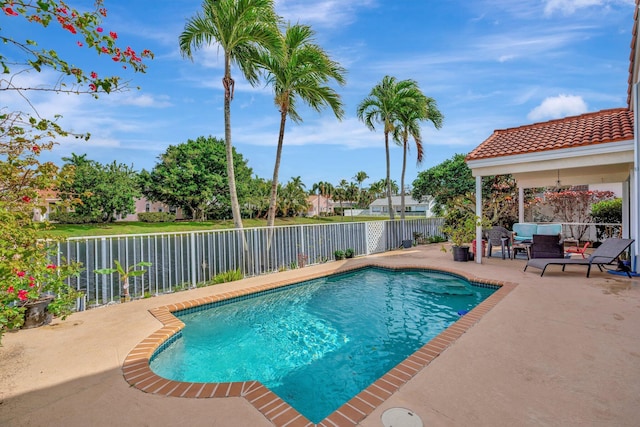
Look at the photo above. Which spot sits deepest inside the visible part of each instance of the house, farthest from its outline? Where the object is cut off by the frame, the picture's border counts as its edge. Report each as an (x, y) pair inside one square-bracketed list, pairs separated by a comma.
[(411, 207), (594, 148), (144, 205), (319, 205), (48, 200)]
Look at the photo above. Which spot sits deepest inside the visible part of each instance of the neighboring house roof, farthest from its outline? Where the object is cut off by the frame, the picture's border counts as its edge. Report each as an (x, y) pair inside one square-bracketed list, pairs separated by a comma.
[(395, 201), (570, 132)]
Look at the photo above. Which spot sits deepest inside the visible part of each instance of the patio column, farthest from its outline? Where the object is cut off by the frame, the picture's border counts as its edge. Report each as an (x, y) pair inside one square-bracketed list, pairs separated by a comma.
[(479, 215), (520, 204), (634, 184)]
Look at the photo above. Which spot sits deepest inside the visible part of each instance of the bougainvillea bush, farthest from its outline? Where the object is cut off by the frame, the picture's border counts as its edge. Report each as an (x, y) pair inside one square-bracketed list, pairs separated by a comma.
[(30, 269)]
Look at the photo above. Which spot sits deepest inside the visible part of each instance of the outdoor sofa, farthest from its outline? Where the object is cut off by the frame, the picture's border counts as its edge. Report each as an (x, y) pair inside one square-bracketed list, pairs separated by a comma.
[(524, 231)]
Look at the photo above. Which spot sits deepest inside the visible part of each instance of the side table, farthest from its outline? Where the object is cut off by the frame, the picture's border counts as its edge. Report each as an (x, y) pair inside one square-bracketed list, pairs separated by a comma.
[(522, 247)]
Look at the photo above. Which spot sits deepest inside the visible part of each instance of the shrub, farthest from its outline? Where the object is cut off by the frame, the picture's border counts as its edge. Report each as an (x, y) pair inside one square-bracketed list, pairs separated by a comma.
[(73, 218), (339, 254), (349, 253), (156, 217), (228, 276), (436, 239), (607, 211)]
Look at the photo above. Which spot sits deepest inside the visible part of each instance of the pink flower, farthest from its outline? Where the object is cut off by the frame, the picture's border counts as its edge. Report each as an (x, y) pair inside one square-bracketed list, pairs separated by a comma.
[(93, 87), (35, 149), (113, 35), (26, 199), (9, 11), (104, 49), (94, 75), (10, 289), (99, 29), (20, 273), (22, 294), (52, 266), (79, 44), (70, 28)]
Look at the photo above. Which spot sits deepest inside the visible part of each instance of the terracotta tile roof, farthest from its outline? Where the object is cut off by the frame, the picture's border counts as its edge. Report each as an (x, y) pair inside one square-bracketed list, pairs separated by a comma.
[(570, 132)]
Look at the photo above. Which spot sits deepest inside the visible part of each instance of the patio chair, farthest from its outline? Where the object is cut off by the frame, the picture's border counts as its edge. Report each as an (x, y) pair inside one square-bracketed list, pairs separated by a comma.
[(605, 254), (499, 236), (546, 246), (578, 250)]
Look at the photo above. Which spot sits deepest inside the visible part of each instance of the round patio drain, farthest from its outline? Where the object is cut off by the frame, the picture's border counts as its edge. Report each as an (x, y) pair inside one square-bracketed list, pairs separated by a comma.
[(400, 417)]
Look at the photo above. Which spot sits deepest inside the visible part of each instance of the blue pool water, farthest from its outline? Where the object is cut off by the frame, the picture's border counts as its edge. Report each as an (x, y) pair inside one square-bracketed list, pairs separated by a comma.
[(319, 343)]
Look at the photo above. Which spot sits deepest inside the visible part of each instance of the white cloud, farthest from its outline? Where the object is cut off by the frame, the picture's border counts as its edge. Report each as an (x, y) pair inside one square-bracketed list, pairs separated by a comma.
[(144, 101), (557, 107), (568, 7), (324, 13)]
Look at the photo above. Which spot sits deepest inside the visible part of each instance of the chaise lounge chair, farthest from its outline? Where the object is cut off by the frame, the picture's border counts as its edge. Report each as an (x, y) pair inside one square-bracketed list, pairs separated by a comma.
[(605, 254)]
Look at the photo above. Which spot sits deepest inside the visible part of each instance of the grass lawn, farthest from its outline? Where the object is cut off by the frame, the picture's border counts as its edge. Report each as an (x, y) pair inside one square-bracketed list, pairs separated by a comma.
[(79, 230)]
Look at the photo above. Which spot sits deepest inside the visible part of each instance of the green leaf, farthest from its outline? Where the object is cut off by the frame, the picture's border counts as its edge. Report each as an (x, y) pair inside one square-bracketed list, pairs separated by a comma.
[(43, 5)]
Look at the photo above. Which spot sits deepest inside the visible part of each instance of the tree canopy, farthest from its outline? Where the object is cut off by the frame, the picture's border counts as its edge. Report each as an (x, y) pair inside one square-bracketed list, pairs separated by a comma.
[(444, 182), (100, 191), (193, 176)]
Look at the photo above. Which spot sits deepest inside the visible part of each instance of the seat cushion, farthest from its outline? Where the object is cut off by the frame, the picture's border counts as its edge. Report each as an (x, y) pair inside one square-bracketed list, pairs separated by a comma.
[(524, 231), (549, 229)]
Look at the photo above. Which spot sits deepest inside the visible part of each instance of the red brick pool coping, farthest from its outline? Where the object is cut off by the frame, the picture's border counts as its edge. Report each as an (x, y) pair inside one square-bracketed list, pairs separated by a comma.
[(137, 372)]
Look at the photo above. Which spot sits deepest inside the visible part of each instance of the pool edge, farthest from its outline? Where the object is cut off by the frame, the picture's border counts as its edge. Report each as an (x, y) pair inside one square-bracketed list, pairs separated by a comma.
[(137, 372)]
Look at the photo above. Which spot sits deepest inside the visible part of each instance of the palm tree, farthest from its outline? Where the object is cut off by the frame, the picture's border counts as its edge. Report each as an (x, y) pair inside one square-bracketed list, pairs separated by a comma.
[(360, 177), (340, 193), (409, 125), (243, 29), (301, 72), (383, 105)]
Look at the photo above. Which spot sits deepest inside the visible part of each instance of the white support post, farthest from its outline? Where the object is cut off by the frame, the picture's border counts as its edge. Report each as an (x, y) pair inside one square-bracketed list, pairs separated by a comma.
[(634, 184), (479, 215), (520, 204)]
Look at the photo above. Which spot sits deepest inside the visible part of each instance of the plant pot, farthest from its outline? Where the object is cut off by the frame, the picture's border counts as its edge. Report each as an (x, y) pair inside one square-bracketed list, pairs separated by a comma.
[(407, 244), (36, 313), (460, 253)]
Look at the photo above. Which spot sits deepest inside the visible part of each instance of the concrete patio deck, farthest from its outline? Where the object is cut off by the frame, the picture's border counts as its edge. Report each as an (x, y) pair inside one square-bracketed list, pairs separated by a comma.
[(559, 350)]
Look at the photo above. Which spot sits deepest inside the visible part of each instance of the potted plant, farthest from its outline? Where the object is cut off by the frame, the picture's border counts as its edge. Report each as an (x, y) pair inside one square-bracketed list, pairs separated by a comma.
[(124, 275), (339, 254), (32, 287), (349, 253), (461, 234)]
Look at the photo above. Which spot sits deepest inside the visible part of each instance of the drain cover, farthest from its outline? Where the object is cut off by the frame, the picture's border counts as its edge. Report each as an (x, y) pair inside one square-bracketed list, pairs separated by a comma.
[(400, 417)]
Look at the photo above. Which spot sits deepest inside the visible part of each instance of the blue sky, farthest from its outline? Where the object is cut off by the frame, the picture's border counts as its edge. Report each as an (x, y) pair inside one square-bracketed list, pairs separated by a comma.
[(489, 64)]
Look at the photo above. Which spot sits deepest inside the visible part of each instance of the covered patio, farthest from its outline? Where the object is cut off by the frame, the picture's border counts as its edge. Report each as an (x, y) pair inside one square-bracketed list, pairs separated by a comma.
[(593, 148)]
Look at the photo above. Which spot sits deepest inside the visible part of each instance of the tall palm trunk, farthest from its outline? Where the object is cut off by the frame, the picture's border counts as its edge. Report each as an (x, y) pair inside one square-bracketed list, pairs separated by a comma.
[(227, 82), (390, 203), (404, 168), (271, 216)]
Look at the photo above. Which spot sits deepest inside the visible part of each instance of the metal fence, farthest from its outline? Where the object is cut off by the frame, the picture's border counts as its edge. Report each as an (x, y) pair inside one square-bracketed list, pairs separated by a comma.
[(185, 260)]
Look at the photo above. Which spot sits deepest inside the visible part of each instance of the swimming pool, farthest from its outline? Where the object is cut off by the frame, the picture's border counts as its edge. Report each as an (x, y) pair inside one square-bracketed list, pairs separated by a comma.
[(318, 343)]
